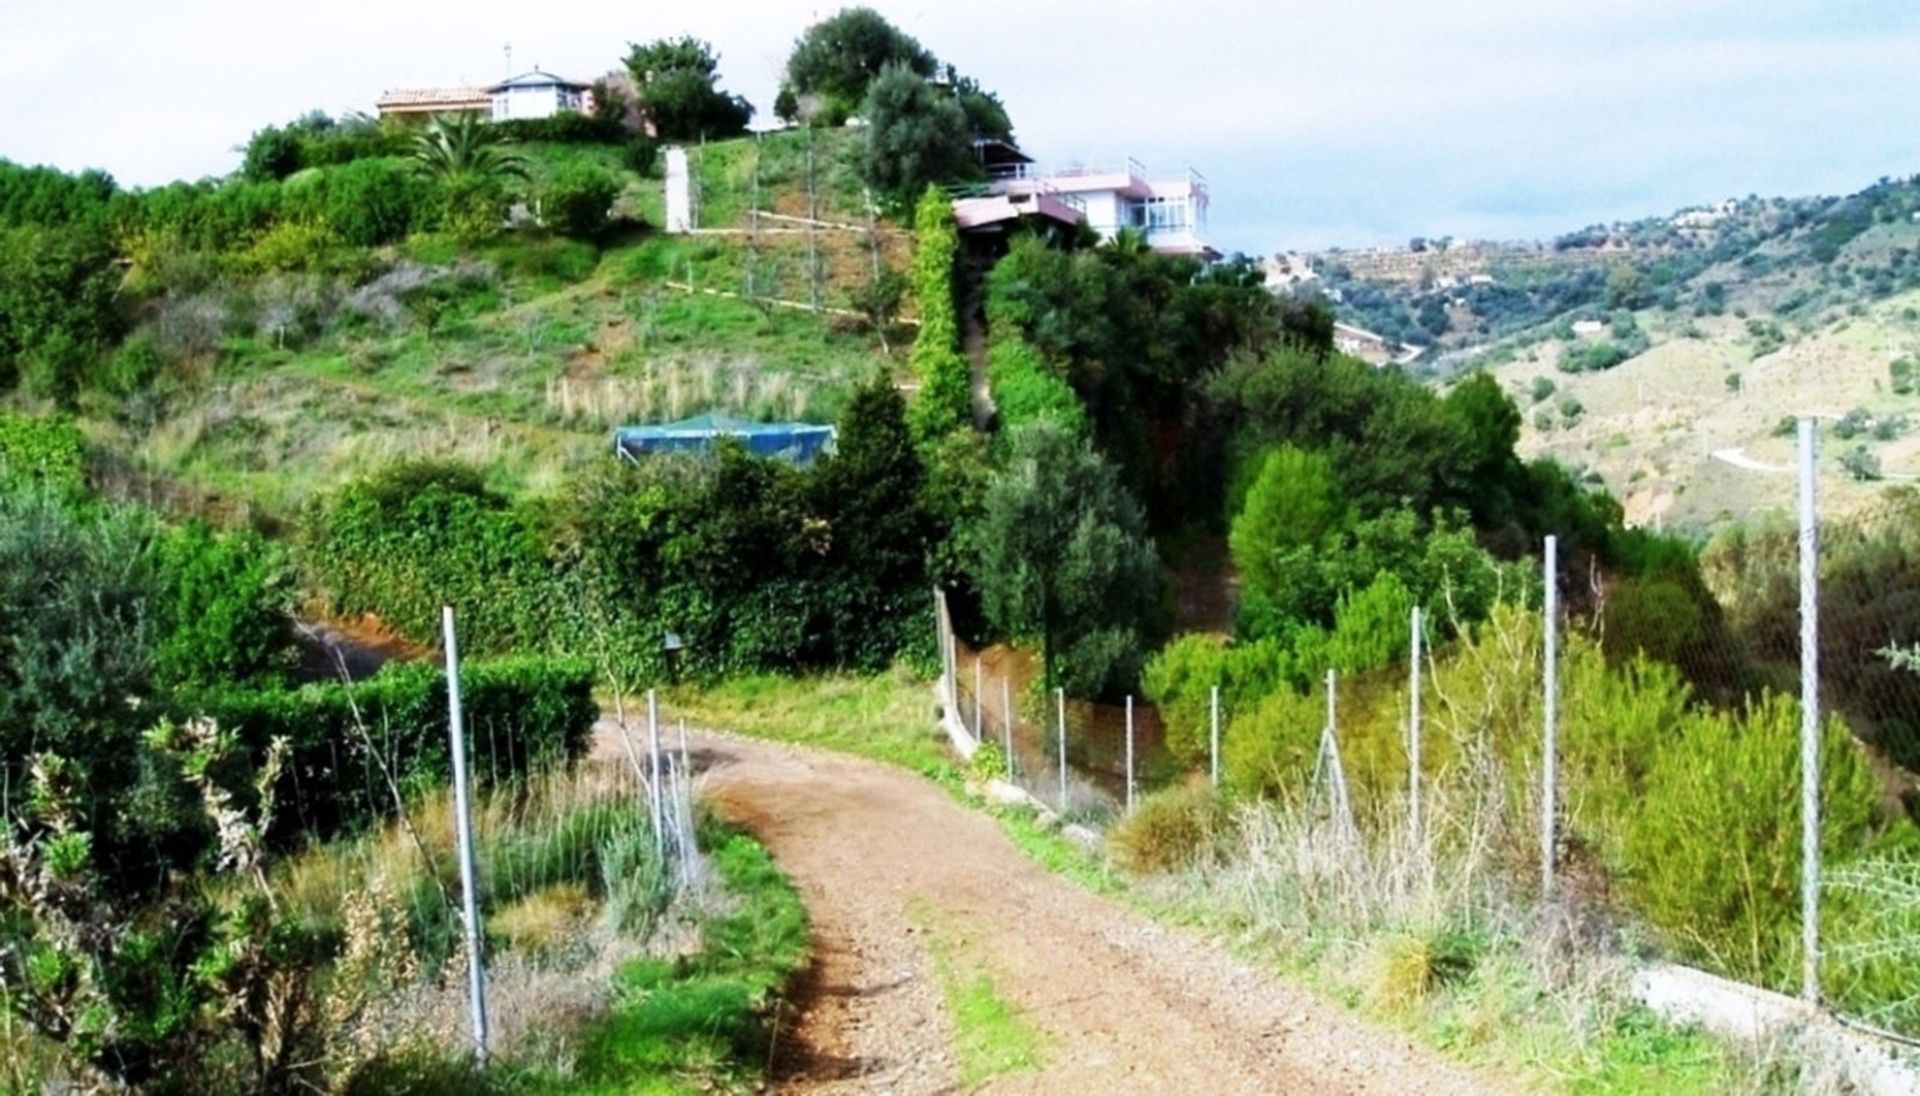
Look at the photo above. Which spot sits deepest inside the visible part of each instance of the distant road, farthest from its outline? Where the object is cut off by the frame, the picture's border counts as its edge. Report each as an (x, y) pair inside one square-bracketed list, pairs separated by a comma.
[(1739, 459)]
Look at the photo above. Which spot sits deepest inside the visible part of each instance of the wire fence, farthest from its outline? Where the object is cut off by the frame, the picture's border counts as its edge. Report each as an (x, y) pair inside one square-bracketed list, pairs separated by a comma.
[(1628, 741)]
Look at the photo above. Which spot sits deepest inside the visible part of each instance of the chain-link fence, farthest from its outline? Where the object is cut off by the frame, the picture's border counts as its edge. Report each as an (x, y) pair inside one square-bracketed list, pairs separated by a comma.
[(1636, 741)]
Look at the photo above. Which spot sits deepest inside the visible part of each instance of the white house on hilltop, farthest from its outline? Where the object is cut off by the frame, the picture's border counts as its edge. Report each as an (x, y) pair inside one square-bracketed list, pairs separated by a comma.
[(533, 94), (1171, 213), (538, 94)]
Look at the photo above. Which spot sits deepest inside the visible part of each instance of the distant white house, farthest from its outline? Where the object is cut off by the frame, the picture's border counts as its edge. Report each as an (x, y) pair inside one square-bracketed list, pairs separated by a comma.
[(538, 94), (1170, 212)]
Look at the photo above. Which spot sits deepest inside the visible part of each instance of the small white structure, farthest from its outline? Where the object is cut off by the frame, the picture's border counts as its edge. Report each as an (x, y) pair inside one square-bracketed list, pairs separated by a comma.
[(1171, 213), (679, 193), (538, 94)]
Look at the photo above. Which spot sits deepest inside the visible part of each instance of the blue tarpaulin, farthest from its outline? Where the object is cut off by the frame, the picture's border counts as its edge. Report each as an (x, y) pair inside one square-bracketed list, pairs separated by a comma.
[(797, 442)]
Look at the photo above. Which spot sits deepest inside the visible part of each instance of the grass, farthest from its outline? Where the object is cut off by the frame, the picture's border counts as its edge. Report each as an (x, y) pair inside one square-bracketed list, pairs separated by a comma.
[(887, 717), (992, 1038), (704, 1022), (523, 363)]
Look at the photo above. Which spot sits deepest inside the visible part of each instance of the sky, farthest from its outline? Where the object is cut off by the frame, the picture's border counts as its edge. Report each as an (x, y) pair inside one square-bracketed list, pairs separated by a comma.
[(1352, 124)]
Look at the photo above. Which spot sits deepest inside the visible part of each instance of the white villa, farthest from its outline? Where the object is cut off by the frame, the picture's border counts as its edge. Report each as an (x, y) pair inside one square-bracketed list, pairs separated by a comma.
[(533, 94), (538, 94), (1170, 212)]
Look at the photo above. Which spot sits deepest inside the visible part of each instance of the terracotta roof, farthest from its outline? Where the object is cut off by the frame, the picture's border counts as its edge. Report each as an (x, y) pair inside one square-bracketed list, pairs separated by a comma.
[(426, 98)]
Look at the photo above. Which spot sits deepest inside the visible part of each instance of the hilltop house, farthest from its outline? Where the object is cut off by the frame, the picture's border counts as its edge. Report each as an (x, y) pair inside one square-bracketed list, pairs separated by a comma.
[(538, 94), (1170, 212), (533, 94)]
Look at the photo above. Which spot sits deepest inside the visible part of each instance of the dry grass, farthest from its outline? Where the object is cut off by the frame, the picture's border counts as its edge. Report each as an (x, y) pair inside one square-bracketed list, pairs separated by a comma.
[(1170, 829), (545, 921)]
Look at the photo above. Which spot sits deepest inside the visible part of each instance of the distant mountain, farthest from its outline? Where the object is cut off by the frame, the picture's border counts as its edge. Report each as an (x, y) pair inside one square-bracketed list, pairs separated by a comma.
[(1662, 355)]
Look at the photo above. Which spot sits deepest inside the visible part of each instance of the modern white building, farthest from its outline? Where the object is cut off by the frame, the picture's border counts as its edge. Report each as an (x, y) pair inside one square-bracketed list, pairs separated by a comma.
[(1170, 212), (538, 94)]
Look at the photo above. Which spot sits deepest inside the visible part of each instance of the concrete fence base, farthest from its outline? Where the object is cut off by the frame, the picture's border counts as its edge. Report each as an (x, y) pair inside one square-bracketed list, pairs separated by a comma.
[(1746, 1014)]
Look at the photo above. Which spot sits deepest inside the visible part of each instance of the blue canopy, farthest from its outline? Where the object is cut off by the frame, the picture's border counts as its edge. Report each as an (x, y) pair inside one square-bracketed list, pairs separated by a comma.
[(797, 442)]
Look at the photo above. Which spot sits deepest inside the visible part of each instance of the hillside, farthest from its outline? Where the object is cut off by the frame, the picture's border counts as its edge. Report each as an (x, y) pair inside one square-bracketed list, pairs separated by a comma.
[(517, 355), (1639, 350)]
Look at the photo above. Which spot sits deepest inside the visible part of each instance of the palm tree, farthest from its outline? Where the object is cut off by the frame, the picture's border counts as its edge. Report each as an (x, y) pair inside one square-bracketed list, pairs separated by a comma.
[(1129, 241), (461, 146)]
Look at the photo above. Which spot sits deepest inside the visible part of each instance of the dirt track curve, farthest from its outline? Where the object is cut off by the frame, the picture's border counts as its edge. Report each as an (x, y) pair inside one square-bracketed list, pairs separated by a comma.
[(883, 857)]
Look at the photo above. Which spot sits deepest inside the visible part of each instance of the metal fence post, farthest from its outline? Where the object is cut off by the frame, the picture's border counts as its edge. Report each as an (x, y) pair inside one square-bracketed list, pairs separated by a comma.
[(1809, 716), (1339, 801), (1006, 714), (976, 698), (1549, 763), (658, 805), (1129, 753), (1060, 698), (1413, 738), (463, 829), (1213, 734)]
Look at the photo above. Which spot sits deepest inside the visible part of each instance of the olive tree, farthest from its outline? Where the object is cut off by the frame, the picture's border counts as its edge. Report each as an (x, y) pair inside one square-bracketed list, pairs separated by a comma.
[(1062, 556)]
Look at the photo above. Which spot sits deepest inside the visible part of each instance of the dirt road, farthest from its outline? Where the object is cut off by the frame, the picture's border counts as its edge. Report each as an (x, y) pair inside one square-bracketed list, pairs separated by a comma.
[(887, 862)]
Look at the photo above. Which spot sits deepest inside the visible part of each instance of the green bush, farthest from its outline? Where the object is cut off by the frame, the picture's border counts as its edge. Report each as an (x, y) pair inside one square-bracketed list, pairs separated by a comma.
[(578, 201), (1026, 390), (471, 208), (521, 714), (1709, 849), (640, 155), (419, 535), (1269, 750), (372, 202), (221, 607), (48, 450), (568, 127)]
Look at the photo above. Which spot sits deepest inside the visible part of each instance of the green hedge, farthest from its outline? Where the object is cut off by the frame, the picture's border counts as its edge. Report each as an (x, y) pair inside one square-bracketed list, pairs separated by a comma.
[(521, 714), (419, 535), (945, 400)]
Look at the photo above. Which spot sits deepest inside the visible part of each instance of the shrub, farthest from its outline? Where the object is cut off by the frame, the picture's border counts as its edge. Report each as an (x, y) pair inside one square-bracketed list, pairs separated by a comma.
[(1026, 390), (47, 450), (1170, 829), (290, 245), (407, 540), (567, 127), (221, 607), (372, 202), (1270, 749), (1861, 464), (640, 155), (578, 201), (1708, 855), (471, 208)]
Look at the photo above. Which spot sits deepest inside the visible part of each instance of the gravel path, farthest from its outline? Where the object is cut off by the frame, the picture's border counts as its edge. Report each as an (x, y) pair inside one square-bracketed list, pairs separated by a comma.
[(1123, 1004)]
